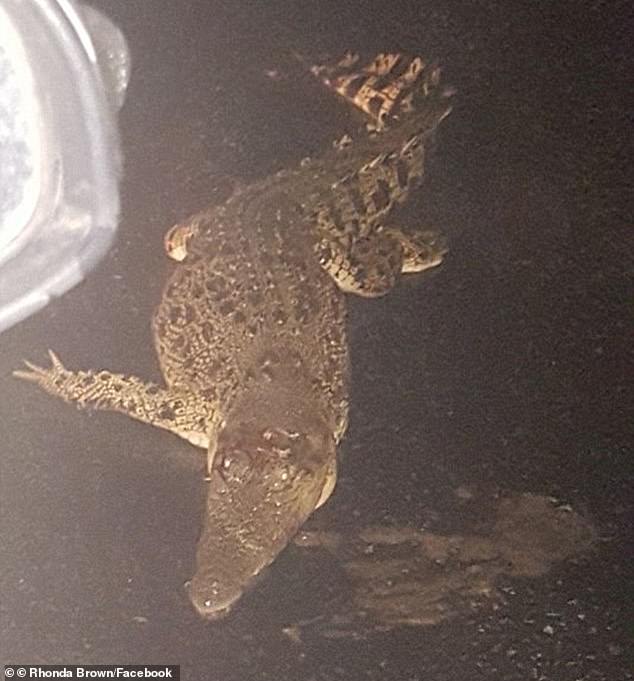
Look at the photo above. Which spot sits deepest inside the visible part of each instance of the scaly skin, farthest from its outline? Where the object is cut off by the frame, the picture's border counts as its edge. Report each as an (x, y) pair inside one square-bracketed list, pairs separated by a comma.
[(250, 333)]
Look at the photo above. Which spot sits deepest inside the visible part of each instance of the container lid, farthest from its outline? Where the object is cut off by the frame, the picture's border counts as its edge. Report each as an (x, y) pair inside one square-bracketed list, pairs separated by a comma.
[(63, 74)]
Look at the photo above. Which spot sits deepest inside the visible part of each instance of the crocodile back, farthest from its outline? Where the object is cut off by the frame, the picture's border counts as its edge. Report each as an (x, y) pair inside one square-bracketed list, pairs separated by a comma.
[(250, 295)]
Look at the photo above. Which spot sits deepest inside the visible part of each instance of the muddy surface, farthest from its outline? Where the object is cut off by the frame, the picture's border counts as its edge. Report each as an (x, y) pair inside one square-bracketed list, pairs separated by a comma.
[(403, 576)]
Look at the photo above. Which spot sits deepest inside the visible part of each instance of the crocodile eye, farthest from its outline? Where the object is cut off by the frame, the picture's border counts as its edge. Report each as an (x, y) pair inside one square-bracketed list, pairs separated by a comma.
[(235, 466)]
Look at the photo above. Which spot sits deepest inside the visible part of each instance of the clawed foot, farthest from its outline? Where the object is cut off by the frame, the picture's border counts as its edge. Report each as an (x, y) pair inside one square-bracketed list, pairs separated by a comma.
[(49, 379), (185, 414), (84, 388), (421, 250), (177, 239)]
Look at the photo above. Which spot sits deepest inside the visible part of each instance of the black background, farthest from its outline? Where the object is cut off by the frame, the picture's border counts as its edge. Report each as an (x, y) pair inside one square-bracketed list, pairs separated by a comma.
[(508, 368)]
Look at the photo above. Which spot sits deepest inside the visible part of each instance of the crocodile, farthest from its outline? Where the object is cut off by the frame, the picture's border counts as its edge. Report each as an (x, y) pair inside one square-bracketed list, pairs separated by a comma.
[(250, 330)]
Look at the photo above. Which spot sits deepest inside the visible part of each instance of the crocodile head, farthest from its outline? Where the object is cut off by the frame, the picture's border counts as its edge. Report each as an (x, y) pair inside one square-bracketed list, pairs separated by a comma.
[(274, 463)]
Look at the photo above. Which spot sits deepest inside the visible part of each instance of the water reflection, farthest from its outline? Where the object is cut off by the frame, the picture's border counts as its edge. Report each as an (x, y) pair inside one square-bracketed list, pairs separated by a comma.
[(403, 576)]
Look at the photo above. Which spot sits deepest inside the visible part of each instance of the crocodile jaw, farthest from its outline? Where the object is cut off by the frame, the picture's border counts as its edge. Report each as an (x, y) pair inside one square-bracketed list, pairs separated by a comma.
[(266, 481), (241, 536)]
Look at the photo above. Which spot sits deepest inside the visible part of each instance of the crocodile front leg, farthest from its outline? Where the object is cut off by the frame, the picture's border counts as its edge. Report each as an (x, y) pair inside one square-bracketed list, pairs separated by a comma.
[(184, 414), (371, 265)]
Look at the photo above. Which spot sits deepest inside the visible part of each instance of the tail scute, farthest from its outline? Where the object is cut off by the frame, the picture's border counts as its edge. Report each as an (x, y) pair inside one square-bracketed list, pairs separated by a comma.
[(387, 87)]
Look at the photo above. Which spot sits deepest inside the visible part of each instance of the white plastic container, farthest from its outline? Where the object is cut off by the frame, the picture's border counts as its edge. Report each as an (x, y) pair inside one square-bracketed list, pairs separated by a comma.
[(64, 69)]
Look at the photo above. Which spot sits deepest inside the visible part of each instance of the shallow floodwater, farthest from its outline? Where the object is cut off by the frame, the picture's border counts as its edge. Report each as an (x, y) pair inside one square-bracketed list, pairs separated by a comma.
[(503, 373)]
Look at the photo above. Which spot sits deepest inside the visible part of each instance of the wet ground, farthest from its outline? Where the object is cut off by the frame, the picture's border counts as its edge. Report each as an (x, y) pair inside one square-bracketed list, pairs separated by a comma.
[(506, 372)]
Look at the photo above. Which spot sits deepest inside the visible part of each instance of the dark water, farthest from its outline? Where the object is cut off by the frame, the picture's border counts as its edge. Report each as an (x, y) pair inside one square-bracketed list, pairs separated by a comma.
[(508, 368)]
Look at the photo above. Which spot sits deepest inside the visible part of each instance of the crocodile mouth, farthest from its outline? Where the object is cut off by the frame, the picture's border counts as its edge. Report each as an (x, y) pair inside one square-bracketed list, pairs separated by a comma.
[(209, 609), (258, 496)]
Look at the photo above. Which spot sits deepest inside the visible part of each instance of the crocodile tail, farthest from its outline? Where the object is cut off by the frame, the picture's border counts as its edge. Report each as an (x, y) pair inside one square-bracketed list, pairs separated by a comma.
[(378, 171), (388, 87)]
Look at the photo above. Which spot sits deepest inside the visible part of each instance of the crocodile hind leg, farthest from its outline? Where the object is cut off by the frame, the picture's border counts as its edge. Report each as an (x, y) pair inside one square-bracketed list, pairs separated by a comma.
[(184, 414), (421, 250), (177, 238), (370, 266)]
